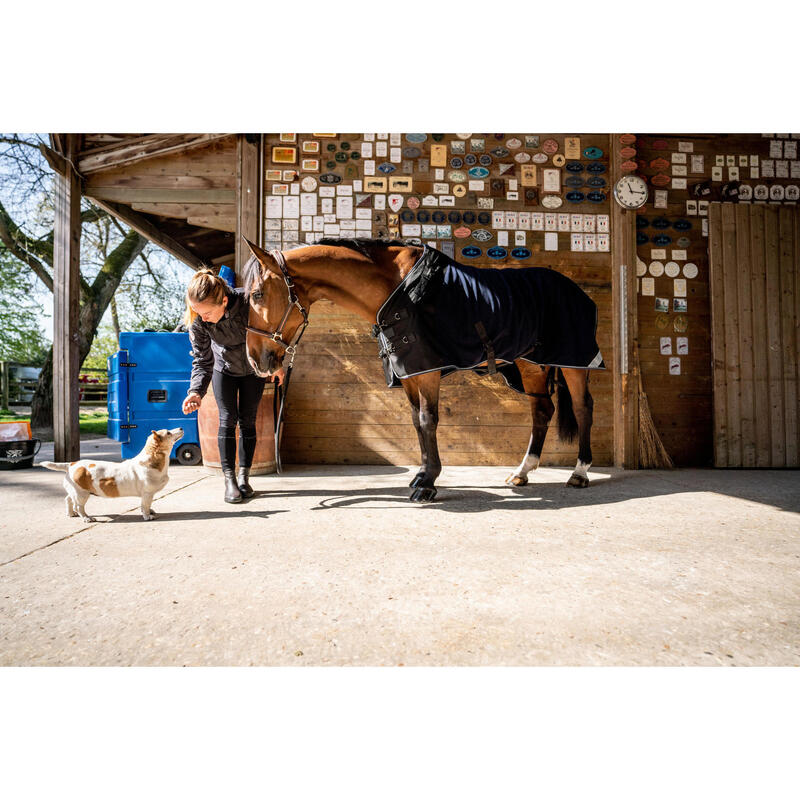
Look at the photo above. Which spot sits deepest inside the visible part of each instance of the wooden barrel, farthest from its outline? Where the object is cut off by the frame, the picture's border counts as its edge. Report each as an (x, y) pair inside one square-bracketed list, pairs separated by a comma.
[(208, 426)]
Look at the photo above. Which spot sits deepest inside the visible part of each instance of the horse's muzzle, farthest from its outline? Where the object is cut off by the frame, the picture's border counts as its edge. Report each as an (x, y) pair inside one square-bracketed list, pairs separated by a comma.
[(266, 364)]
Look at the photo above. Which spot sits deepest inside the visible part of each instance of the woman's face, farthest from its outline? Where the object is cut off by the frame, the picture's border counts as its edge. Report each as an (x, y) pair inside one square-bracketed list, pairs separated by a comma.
[(209, 311)]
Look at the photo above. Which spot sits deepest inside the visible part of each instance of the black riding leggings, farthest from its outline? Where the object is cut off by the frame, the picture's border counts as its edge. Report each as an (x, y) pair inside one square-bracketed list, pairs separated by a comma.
[(237, 400)]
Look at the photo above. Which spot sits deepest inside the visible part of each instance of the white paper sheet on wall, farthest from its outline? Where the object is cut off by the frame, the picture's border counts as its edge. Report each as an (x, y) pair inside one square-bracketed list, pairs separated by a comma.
[(274, 207), (291, 207)]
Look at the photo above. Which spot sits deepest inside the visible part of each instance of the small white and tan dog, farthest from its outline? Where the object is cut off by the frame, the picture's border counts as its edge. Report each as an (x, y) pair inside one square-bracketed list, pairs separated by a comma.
[(141, 476)]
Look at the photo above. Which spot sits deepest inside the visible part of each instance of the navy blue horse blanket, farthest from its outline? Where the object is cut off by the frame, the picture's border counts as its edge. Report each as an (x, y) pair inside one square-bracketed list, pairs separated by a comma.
[(448, 316)]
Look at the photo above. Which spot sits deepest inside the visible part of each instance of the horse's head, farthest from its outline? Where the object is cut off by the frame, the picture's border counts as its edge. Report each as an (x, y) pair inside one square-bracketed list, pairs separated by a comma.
[(277, 312)]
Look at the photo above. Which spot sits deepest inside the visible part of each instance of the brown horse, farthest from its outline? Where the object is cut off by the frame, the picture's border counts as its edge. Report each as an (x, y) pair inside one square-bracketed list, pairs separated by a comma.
[(360, 277)]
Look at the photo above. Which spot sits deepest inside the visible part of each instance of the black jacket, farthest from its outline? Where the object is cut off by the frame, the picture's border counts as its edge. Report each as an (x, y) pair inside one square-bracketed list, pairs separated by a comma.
[(220, 346)]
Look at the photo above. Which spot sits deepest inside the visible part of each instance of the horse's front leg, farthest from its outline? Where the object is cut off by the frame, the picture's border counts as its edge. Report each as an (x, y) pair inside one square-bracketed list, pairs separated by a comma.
[(423, 394)]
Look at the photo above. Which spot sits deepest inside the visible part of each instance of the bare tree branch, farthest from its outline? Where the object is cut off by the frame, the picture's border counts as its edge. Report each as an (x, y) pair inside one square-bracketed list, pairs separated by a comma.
[(20, 251)]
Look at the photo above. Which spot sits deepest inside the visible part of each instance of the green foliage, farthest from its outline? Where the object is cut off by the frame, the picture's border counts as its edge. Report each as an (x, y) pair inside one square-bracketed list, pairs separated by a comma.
[(104, 345), (152, 300), (23, 339), (94, 422), (90, 421)]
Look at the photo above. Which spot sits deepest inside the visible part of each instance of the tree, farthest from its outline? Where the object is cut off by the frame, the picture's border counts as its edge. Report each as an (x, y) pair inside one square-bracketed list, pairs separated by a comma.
[(23, 339), (107, 248)]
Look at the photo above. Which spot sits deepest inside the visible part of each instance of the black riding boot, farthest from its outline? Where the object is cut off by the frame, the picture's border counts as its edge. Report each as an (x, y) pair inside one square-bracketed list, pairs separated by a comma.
[(244, 482), (232, 493), (227, 456), (247, 449)]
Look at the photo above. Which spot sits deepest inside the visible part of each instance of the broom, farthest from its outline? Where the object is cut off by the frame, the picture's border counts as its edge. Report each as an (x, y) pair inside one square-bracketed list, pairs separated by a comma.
[(652, 454)]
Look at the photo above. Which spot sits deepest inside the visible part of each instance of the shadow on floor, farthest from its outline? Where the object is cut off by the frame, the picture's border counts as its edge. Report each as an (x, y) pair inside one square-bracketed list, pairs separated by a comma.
[(236, 512), (618, 487)]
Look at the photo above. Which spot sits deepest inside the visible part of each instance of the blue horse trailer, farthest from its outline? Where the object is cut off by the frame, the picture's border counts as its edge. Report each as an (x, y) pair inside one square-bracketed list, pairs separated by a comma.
[(148, 379)]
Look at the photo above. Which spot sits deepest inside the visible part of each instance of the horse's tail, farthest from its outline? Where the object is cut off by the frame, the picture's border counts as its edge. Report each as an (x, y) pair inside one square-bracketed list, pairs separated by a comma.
[(567, 424)]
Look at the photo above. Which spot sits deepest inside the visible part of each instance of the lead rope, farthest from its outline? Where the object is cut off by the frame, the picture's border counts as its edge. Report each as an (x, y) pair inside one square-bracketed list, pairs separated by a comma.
[(278, 405), (279, 395)]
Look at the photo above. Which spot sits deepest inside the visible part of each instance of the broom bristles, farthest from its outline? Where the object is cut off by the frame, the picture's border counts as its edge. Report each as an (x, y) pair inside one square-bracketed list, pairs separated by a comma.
[(652, 454)]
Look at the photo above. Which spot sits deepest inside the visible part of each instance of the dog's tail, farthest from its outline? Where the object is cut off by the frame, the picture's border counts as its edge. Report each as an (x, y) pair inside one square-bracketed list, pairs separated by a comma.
[(61, 466)]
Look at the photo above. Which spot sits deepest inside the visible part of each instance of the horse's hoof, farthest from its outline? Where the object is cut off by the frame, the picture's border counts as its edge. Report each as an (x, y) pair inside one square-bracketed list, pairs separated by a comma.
[(417, 481), (578, 481), (423, 494), (517, 480)]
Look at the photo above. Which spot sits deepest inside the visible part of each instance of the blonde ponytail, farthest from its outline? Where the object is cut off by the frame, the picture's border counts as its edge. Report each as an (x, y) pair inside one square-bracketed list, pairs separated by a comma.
[(204, 286)]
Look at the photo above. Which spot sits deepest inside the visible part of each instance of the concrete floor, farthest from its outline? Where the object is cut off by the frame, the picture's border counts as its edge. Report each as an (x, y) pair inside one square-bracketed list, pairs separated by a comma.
[(332, 566)]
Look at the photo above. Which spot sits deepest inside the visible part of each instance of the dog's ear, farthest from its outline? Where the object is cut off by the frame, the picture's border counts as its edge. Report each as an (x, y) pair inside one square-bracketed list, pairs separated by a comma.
[(155, 435)]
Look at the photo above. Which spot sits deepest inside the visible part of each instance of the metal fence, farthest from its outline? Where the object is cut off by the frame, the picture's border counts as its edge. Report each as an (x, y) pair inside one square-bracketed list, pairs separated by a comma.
[(18, 383)]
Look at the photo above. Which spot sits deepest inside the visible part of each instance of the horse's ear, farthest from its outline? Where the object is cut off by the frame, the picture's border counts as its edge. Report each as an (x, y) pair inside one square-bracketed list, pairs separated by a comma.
[(264, 258)]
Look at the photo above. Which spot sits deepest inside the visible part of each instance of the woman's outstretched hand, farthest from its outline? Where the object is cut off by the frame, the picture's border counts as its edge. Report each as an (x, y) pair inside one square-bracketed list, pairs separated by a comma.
[(191, 403)]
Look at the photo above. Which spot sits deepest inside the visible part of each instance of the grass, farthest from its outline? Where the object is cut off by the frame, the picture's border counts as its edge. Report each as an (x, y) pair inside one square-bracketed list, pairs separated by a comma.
[(89, 421)]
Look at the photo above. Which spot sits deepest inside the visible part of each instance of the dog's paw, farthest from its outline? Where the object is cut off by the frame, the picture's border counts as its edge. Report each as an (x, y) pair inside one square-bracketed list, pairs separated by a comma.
[(149, 517), (88, 519)]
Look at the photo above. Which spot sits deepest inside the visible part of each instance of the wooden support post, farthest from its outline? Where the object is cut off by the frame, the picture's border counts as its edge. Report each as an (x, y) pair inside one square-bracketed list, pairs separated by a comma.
[(248, 195), (66, 304), (624, 302)]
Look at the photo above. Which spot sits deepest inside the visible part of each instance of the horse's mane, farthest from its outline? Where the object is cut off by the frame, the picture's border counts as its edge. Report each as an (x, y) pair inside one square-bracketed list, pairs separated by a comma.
[(367, 247), (251, 272)]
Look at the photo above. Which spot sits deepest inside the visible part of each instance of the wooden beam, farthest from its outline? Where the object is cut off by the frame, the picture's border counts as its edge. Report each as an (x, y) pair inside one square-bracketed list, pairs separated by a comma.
[(57, 162), (66, 305), (625, 377), (142, 225), (224, 259), (140, 148), (248, 194), (216, 223), (129, 196)]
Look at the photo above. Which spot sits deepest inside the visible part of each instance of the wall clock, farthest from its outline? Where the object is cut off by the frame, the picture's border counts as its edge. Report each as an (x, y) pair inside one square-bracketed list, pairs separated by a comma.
[(630, 191)]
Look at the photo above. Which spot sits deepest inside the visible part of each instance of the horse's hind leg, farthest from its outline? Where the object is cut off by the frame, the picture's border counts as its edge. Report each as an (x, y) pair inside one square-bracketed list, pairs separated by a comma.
[(582, 405), (534, 381), (423, 394)]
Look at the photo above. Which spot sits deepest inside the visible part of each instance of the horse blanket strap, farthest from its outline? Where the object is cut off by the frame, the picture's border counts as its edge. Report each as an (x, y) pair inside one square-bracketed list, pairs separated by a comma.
[(491, 363), (463, 316)]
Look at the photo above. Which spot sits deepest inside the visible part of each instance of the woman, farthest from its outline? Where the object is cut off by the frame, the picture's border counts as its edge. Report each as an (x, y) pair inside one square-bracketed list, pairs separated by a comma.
[(216, 317)]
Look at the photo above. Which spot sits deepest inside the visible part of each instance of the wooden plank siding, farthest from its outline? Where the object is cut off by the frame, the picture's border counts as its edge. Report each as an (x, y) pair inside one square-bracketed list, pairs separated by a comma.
[(754, 302), (196, 185), (133, 149), (340, 410)]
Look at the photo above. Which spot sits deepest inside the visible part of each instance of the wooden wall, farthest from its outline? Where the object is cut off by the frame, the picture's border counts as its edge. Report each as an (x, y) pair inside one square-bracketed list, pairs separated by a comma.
[(339, 408), (196, 185), (682, 404), (755, 304)]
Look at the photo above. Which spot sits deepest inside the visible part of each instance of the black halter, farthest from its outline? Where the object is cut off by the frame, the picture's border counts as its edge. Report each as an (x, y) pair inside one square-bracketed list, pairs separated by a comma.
[(294, 302)]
